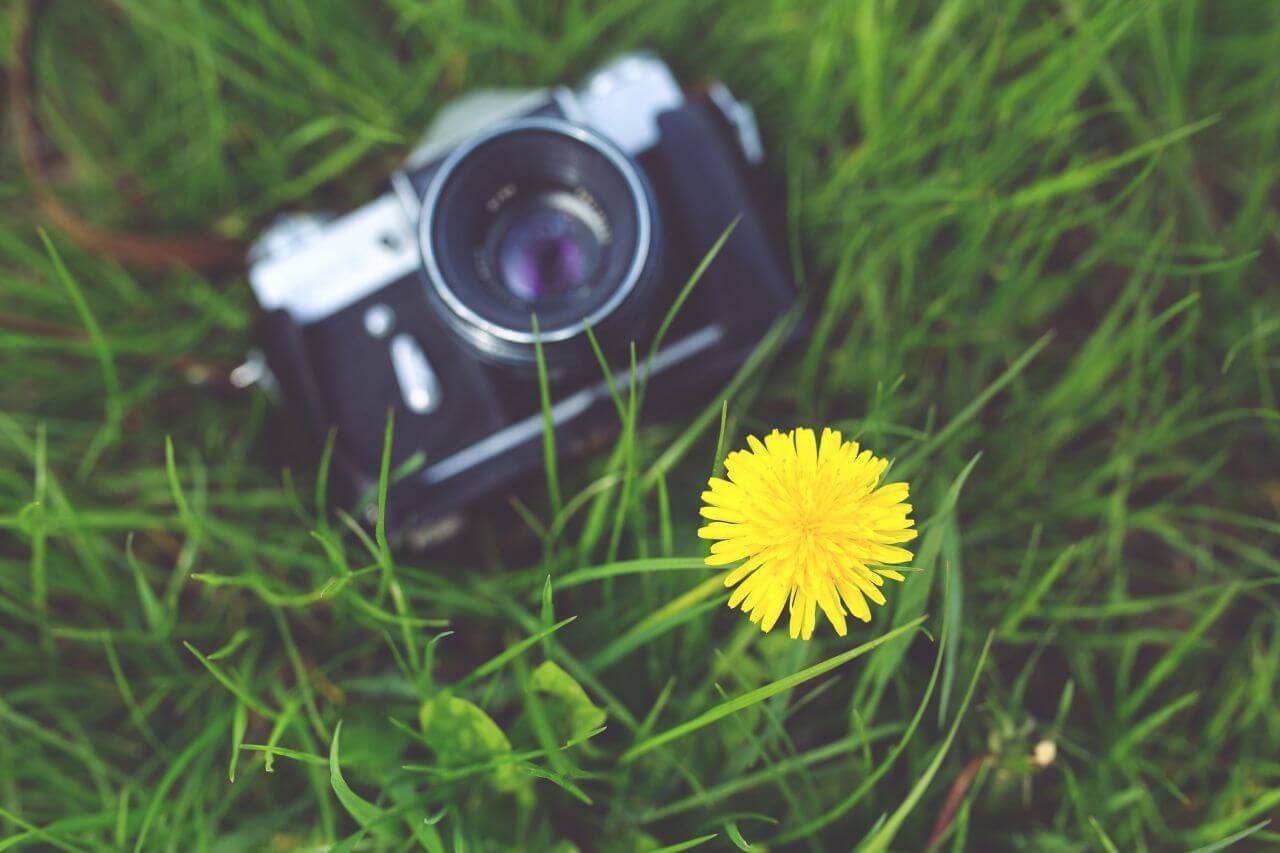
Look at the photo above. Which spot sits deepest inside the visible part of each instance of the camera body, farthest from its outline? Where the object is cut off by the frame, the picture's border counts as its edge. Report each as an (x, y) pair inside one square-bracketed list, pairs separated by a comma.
[(524, 221)]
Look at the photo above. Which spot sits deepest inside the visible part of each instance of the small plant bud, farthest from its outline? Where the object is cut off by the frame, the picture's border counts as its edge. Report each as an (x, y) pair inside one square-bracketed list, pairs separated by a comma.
[(1044, 753)]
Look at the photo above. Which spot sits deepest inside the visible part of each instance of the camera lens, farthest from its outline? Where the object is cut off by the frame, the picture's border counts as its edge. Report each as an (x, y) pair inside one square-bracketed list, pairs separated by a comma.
[(549, 247), (538, 218)]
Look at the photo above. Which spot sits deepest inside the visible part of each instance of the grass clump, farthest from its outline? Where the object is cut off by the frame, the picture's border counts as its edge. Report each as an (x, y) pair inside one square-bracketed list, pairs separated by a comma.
[(1040, 245)]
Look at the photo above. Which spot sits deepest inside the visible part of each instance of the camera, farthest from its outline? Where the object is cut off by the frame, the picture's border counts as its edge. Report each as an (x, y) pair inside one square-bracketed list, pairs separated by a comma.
[(528, 229)]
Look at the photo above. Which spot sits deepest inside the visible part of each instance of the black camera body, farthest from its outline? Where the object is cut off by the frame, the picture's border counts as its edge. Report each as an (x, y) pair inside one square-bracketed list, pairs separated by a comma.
[(586, 209)]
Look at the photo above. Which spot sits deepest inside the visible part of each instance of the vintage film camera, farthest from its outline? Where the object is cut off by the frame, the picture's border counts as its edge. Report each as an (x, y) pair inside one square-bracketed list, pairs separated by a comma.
[(587, 207)]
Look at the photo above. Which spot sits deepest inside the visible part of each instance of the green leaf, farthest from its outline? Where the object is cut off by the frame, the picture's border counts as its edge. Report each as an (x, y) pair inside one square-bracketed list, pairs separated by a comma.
[(461, 733), (569, 703)]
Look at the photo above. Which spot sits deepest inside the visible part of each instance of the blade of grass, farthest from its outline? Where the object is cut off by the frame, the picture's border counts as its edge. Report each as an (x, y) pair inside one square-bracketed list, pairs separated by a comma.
[(884, 837), (761, 693), (548, 427)]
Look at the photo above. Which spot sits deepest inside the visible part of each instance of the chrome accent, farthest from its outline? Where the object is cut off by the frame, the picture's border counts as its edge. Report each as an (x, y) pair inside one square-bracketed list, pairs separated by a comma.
[(423, 536), (567, 100), (379, 320), (406, 194), (320, 274), (622, 100), (504, 439), (639, 197), (256, 371), (418, 383), (570, 407), (251, 371), (743, 119), (286, 233)]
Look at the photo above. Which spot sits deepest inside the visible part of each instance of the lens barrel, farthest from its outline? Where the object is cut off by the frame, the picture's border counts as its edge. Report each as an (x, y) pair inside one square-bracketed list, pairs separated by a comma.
[(539, 217)]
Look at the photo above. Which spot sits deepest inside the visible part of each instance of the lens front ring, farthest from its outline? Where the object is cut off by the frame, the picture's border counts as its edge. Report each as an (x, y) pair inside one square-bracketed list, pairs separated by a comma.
[(636, 266)]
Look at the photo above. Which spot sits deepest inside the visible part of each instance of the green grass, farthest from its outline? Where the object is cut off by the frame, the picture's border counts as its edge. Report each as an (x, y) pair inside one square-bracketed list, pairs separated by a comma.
[(1040, 241)]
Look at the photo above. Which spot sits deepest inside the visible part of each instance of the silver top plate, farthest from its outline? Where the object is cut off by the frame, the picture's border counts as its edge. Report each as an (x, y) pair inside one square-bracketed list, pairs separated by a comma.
[(352, 257)]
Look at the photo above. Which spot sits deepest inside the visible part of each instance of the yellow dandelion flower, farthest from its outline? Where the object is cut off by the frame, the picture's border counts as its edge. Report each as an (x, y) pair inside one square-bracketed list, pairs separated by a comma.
[(813, 525)]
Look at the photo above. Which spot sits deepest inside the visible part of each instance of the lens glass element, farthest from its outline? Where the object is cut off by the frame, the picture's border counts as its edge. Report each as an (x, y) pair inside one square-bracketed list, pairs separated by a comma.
[(549, 246)]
